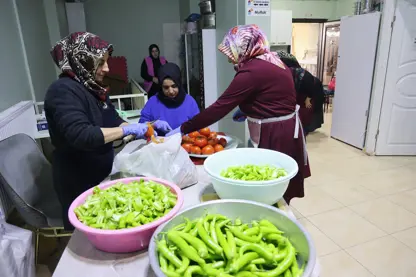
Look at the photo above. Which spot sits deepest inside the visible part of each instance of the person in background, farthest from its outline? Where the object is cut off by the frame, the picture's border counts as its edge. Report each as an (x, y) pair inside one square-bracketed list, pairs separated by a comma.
[(309, 97), (82, 121), (263, 88), (150, 67), (172, 104)]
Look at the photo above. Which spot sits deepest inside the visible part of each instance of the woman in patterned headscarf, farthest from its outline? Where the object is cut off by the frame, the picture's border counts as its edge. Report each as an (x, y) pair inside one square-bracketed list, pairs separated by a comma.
[(82, 121), (310, 95), (263, 89)]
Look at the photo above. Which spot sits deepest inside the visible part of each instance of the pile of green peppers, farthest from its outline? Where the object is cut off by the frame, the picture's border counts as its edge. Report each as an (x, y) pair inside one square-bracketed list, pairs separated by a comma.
[(216, 246), (126, 205)]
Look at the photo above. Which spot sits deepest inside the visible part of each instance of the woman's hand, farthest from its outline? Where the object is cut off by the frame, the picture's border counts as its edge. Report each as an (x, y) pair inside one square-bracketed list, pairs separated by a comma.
[(239, 116), (308, 103), (162, 126), (155, 80), (138, 130)]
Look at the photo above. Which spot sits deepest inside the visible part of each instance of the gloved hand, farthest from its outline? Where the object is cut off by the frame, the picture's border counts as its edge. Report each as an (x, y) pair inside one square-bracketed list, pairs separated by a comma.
[(138, 130), (239, 116), (174, 132), (162, 126)]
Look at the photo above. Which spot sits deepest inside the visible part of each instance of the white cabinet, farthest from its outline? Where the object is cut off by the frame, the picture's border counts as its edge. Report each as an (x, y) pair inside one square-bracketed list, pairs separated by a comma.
[(281, 29)]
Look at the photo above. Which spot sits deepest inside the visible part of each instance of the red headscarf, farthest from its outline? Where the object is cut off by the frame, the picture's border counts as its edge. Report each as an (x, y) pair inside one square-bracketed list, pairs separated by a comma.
[(246, 42), (78, 55)]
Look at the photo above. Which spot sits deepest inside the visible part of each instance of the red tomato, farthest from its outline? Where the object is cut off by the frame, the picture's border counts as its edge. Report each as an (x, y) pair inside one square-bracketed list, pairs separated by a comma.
[(194, 134), (201, 142), (186, 139), (196, 150), (218, 148), (212, 135), (205, 132), (223, 142), (213, 142), (208, 150), (187, 147)]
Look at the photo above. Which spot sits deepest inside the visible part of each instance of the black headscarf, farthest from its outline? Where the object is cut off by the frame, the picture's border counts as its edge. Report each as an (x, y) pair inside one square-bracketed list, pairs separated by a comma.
[(171, 71), (156, 62), (288, 59)]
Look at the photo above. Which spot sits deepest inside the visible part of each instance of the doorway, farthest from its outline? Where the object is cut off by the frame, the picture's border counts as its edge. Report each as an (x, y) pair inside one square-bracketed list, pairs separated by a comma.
[(305, 45)]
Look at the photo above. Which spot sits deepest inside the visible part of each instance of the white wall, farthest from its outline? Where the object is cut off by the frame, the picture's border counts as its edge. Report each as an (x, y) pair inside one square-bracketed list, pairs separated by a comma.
[(131, 26), (322, 9), (13, 77), (37, 45)]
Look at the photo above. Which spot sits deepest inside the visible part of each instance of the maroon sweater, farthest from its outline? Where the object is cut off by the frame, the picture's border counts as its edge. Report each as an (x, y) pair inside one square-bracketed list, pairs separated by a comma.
[(261, 89)]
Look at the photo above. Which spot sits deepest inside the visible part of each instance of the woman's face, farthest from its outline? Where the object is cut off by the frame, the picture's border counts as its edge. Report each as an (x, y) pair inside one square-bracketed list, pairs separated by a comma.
[(155, 52), (170, 89), (102, 68)]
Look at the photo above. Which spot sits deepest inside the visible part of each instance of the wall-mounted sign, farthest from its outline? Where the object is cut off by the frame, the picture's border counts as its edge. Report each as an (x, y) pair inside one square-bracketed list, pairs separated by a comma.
[(258, 7)]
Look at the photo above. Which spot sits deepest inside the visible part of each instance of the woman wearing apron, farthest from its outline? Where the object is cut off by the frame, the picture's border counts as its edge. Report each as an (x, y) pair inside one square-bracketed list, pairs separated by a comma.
[(263, 88)]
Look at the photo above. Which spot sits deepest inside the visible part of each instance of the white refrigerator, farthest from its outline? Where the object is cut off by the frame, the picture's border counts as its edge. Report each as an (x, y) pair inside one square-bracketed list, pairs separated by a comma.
[(354, 78)]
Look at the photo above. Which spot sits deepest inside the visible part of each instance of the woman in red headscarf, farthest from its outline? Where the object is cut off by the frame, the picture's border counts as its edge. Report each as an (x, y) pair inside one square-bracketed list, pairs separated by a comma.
[(263, 88)]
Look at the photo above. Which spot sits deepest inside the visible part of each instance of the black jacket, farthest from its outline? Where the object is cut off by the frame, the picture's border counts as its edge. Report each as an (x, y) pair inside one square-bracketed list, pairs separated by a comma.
[(75, 117)]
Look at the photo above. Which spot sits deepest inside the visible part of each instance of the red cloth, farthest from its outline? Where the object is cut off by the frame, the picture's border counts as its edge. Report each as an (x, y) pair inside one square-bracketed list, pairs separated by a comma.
[(262, 90)]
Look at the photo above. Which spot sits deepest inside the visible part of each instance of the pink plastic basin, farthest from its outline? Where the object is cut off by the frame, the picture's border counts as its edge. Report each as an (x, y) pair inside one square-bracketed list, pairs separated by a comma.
[(125, 240)]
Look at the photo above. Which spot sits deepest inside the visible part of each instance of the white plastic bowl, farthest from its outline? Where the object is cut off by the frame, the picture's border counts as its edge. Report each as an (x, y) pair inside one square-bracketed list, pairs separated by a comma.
[(267, 192)]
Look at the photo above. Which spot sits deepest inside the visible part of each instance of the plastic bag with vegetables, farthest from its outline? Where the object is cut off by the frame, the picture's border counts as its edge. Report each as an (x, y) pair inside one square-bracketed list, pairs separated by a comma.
[(167, 160)]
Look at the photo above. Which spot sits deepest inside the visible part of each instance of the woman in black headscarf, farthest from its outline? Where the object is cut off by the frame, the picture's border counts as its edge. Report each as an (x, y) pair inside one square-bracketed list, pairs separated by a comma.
[(171, 104), (310, 95), (150, 68)]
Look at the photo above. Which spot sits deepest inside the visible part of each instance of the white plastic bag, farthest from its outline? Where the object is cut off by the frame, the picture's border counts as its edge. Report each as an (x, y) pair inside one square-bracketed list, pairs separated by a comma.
[(16, 252), (167, 160)]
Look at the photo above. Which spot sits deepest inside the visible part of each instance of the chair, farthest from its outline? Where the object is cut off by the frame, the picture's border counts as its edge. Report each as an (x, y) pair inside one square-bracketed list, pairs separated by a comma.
[(26, 177)]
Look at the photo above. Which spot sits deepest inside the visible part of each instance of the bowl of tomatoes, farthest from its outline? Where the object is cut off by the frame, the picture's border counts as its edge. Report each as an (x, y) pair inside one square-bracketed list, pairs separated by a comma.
[(203, 143)]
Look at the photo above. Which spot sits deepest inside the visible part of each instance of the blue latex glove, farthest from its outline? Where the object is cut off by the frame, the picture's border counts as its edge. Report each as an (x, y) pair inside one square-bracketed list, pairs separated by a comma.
[(174, 132), (162, 126), (239, 116), (138, 130)]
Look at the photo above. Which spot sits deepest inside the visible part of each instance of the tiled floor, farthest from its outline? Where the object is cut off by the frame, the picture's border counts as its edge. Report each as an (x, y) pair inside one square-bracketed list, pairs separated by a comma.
[(360, 210)]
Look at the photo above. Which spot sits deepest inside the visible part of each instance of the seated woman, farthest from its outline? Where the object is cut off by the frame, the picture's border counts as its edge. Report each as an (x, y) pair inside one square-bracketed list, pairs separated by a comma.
[(172, 104)]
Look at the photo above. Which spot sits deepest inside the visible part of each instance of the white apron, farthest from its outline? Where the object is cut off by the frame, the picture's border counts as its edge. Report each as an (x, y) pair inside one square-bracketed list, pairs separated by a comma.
[(254, 126)]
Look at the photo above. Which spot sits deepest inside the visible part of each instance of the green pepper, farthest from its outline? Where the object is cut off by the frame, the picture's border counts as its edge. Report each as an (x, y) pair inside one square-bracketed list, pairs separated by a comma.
[(169, 255), (185, 264), (222, 240), (207, 239), (231, 242), (212, 231), (188, 226), (258, 261), (281, 241), (262, 251), (295, 268), (193, 269), (245, 274), (198, 244), (287, 274), (267, 223), (283, 266), (162, 262), (252, 231), (241, 235), (240, 242), (183, 246), (269, 230), (243, 261)]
